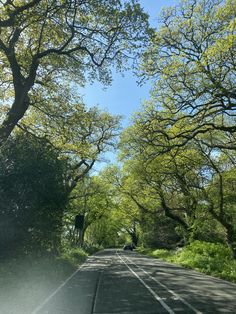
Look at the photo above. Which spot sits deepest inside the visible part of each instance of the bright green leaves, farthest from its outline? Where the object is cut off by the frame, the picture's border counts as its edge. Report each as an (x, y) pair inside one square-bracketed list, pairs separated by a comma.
[(73, 129), (44, 43), (191, 61)]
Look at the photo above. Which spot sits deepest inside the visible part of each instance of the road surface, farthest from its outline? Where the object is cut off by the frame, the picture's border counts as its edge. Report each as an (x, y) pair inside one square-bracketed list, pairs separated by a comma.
[(121, 282)]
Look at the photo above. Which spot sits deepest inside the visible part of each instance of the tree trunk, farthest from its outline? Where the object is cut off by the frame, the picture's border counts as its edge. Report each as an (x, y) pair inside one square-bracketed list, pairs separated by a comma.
[(230, 231), (178, 219), (81, 237), (13, 117), (231, 239)]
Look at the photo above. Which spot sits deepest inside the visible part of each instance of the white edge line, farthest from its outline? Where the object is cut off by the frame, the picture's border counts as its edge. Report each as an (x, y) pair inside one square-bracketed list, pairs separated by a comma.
[(169, 290), (197, 272), (96, 292), (35, 311), (169, 310)]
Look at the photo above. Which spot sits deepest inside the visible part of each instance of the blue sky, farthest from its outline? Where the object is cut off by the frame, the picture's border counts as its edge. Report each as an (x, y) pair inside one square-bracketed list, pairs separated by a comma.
[(124, 96)]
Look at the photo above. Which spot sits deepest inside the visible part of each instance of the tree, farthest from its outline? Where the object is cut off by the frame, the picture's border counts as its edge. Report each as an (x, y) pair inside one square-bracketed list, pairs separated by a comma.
[(46, 43), (167, 179), (138, 206), (79, 134), (33, 194), (126, 212), (190, 182), (191, 60), (218, 194), (91, 199)]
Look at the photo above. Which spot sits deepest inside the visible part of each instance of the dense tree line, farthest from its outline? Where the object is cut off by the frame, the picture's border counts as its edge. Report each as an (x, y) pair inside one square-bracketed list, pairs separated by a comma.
[(175, 181), (180, 150), (33, 194), (49, 139)]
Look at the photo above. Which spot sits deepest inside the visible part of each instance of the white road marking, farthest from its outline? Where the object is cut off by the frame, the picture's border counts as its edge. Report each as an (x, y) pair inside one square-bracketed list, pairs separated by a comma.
[(165, 287), (156, 296), (52, 295), (96, 293)]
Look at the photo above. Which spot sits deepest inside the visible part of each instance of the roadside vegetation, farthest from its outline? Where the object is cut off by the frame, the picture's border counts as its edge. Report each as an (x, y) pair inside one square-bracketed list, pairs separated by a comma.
[(174, 184), (210, 258), (27, 280)]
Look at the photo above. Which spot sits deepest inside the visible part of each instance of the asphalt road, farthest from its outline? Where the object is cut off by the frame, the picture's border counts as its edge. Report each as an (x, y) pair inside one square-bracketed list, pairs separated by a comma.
[(121, 282)]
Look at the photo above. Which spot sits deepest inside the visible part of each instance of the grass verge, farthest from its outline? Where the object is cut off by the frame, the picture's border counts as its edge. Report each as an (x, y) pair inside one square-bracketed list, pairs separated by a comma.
[(26, 281), (210, 258)]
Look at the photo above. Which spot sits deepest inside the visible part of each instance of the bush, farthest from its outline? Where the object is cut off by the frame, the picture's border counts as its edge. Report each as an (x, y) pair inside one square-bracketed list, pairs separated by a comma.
[(162, 253), (204, 255), (33, 195), (91, 248), (210, 258), (75, 256), (158, 253)]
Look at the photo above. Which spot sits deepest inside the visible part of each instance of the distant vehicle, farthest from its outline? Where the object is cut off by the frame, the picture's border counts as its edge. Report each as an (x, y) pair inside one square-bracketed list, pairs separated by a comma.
[(128, 247)]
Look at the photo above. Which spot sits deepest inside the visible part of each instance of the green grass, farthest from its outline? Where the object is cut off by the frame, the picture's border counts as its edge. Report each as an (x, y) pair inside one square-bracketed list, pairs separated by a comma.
[(210, 258)]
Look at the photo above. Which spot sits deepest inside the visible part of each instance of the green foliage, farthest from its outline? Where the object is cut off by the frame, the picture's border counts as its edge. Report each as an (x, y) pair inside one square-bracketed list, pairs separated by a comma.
[(81, 135), (191, 59), (210, 258), (92, 198), (47, 45), (74, 256), (91, 248), (143, 250), (192, 184), (33, 194), (103, 232), (207, 229), (157, 253), (204, 252), (78, 132), (161, 253), (159, 232), (177, 181)]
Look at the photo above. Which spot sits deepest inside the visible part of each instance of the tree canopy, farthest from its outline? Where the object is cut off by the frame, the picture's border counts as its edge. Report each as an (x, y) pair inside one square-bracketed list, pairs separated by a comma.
[(33, 194), (174, 182), (46, 44), (191, 60)]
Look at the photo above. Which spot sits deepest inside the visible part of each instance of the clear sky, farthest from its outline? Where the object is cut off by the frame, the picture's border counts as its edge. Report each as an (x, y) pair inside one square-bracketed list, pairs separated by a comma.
[(124, 96)]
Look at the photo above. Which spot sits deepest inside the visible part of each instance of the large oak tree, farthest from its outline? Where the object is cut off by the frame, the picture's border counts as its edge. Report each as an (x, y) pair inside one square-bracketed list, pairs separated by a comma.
[(45, 43), (191, 60)]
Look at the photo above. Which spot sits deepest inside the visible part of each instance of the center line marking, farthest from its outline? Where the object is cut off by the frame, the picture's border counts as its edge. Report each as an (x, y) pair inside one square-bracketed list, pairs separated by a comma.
[(169, 290), (156, 296)]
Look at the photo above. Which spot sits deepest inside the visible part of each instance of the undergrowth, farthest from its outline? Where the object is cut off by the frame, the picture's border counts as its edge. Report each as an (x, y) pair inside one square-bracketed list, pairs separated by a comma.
[(210, 258)]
